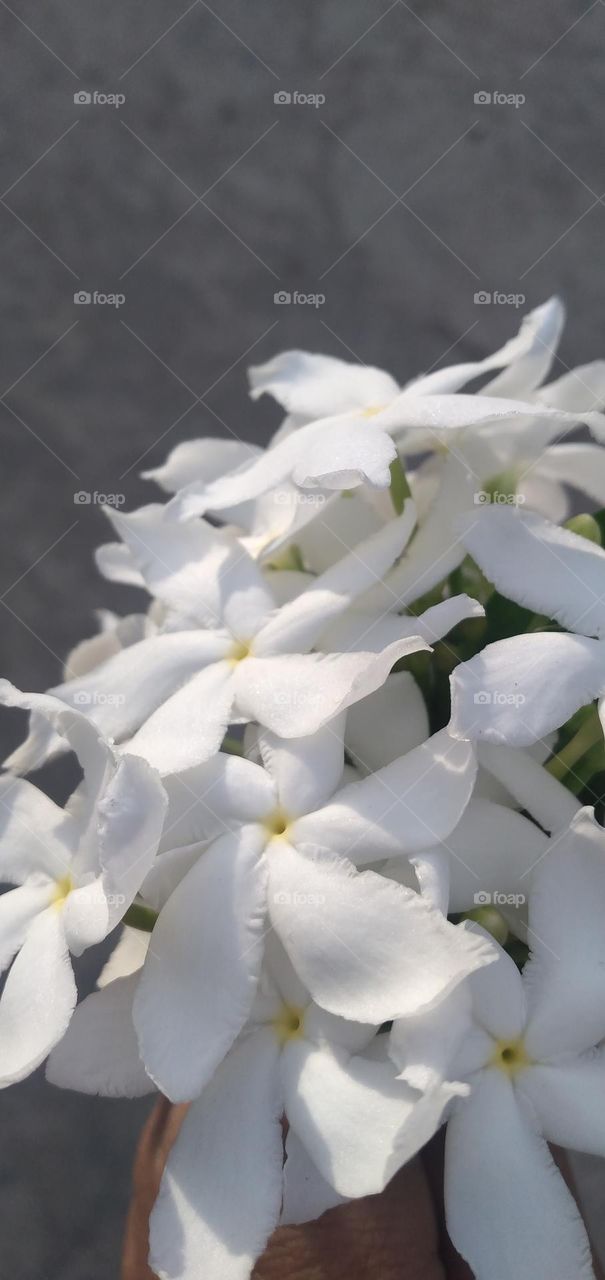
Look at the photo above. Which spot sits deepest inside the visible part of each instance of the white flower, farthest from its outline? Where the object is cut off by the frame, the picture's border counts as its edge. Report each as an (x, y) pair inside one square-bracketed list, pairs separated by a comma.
[(530, 1048), (518, 690), (351, 1124), (352, 414), (77, 871), (228, 653), (366, 948)]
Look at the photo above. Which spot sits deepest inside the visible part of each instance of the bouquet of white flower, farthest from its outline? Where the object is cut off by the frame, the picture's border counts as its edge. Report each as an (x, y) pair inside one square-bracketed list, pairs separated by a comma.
[(352, 907)]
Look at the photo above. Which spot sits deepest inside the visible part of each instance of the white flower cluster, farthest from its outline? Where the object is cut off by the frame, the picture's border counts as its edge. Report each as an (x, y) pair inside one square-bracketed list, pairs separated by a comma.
[(347, 903)]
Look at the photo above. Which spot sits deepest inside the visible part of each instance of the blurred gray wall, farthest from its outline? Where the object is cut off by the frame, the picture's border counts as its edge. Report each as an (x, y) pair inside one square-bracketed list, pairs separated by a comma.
[(199, 197)]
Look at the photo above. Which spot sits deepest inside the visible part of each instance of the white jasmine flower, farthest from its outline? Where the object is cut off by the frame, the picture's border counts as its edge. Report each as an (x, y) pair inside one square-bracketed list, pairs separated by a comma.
[(228, 653), (77, 870), (351, 1124), (366, 948), (530, 1048)]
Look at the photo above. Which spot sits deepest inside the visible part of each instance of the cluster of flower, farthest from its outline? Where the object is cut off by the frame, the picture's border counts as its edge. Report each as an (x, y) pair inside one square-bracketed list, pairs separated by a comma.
[(351, 908)]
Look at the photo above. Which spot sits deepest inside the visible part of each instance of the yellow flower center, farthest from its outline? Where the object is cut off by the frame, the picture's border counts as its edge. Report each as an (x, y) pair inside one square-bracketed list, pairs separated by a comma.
[(289, 1023), (372, 409), (63, 888), (510, 1056), (239, 650), (276, 824)]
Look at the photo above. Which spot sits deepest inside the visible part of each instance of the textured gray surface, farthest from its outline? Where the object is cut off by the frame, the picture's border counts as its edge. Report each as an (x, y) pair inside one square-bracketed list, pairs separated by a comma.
[(495, 197)]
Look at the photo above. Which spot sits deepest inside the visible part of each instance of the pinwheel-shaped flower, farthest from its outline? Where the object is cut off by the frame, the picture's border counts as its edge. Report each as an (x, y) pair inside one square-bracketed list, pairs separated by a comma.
[(366, 948), (530, 1047), (228, 653), (77, 871)]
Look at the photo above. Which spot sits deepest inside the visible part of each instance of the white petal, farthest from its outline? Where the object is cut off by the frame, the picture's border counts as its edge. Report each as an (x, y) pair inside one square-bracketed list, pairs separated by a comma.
[(345, 452), (426, 1045), (342, 521), (314, 386), (498, 995), (580, 465), (492, 850), (448, 413), (129, 819), (565, 975), (367, 949), (306, 771), (539, 565), (508, 1210), (516, 691), (190, 726), (116, 563), (194, 568), (580, 388), (533, 351), (93, 754), (127, 956), (35, 834), (525, 359), (221, 1190), (358, 1122), (567, 1100), (436, 550), (387, 724), (376, 631), (306, 1194), (124, 691), (294, 695), (99, 1053), (214, 797), (200, 975), (38, 999), (18, 908), (201, 460), (533, 788), (411, 804), (297, 626)]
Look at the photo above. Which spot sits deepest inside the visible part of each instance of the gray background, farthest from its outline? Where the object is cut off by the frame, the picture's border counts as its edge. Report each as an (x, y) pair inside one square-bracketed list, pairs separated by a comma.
[(198, 198)]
